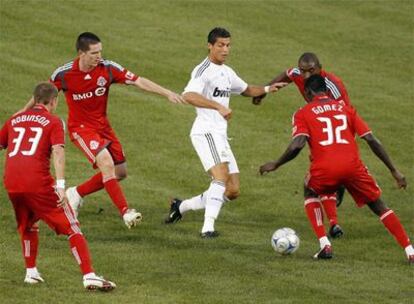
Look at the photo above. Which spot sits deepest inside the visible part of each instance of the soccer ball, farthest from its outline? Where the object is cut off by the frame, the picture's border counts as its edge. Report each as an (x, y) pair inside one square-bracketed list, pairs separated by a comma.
[(285, 241)]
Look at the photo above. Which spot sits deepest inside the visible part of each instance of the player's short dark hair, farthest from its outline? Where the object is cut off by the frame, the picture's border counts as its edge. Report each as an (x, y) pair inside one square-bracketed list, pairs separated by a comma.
[(44, 92), (309, 57), (217, 32), (85, 40), (316, 84)]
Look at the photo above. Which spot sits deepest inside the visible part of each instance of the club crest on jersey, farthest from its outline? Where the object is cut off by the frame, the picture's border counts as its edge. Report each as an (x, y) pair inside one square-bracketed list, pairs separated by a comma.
[(93, 144), (101, 81)]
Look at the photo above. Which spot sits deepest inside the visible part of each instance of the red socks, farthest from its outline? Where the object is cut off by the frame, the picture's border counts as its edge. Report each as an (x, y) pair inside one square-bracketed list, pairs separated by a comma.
[(80, 251), (116, 194), (30, 244), (90, 186), (315, 216), (393, 225), (329, 205)]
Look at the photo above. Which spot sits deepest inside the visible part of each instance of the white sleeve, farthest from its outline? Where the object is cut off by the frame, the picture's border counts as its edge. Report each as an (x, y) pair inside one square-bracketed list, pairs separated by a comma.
[(238, 85), (196, 84)]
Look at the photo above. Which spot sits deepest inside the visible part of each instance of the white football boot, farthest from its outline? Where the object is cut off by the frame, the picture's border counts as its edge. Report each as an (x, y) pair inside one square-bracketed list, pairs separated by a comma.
[(75, 200), (132, 218), (33, 279), (93, 282)]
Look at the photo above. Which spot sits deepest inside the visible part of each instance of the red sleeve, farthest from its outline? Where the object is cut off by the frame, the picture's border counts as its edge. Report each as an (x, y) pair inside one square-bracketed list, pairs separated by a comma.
[(359, 125), (337, 88), (299, 126), (57, 134), (57, 82), (4, 136), (120, 74), (293, 73)]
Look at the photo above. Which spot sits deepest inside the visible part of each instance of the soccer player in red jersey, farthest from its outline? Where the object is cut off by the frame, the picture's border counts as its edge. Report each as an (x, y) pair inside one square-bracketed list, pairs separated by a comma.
[(30, 138), (85, 82), (329, 127), (308, 65)]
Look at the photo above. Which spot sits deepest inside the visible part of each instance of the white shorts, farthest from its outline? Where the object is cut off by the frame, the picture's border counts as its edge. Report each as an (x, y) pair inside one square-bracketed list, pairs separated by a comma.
[(214, 149)]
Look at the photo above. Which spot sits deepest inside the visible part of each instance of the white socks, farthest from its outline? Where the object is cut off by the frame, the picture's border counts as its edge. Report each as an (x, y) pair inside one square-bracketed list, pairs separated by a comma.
[(409, 250), (89, 275), (194, 203), (323, 241), (32, 272), (197, 202), (214, 201)]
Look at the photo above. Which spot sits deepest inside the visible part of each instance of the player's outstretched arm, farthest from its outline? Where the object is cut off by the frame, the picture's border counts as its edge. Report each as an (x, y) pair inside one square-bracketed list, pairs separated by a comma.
[(282, 77), (293, 150), (200, 101), (380, 152), (28, 105), (150, 86), (58, 152), (252, 91)]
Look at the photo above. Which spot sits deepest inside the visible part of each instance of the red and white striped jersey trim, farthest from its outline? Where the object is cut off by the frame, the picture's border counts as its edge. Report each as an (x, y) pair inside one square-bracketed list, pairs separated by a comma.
[(84, 146)]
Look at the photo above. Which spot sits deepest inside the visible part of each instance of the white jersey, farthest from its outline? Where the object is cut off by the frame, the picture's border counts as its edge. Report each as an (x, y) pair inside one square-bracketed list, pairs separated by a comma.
[(214, 82)]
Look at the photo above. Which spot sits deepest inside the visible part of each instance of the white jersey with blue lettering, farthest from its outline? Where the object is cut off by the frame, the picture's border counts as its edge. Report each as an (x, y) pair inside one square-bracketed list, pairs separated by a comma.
[(214, 82)]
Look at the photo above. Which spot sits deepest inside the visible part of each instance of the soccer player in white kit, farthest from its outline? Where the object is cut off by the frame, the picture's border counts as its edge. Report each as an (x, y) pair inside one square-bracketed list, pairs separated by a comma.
[(209, 89)]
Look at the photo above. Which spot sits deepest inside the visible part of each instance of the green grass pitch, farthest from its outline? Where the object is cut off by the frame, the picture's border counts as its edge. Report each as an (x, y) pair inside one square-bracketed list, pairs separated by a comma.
[(369, 44)]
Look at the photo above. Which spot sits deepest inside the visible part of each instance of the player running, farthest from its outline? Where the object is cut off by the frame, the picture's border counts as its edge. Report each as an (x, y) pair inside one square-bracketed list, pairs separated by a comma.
[(308, 65), (30, 138), (85, 82), (209, 89), (330, 127)]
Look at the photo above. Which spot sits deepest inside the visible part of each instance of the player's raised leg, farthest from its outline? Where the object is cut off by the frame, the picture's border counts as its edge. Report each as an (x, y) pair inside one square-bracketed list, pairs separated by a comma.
[(179, 207), (106, 165), (392, 223)]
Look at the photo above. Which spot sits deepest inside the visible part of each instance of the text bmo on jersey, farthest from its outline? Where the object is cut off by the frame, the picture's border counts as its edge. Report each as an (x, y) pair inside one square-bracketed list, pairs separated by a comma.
[(82, 96)]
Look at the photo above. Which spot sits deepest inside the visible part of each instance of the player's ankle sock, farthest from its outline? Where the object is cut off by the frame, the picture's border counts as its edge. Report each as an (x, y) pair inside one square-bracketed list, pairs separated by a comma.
[(115, 193), (91, 185), (393, 224), (30, 244), (214, 201), (80, 251), (323, 241), (32, 272), (89, 275), (315, 216), (208, 224), (409, 250), (329, 205), (194, 203)]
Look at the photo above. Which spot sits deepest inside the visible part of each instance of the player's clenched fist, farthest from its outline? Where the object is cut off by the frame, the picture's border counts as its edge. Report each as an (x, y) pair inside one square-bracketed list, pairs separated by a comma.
[(268, 167)]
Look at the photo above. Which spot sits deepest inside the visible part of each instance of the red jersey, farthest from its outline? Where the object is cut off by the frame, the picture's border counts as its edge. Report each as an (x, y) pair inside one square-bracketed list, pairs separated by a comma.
[(28, 137), (87, 92), (334, 84), (330, 127)]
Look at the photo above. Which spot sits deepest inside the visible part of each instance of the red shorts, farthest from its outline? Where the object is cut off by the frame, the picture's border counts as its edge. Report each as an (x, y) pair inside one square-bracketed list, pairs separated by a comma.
[(92, 141), (359, 183), (32, 207)]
